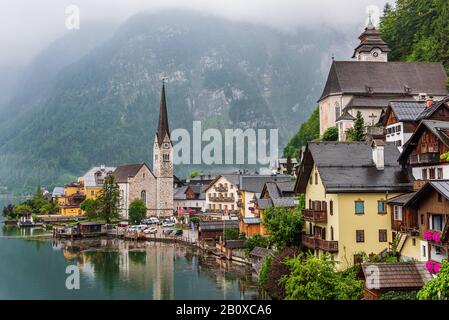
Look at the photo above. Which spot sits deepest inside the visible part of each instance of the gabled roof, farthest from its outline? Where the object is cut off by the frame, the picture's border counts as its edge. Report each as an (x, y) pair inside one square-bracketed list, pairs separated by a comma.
[(261, 252), (386, 78), (349, 167), (122, 173), (57, 192), (217, 225), (402, 199), (232, 178), (439, 128), (255, 183), (428, 112), (390, 276), (440, 186), (405, 110), (346, 116)]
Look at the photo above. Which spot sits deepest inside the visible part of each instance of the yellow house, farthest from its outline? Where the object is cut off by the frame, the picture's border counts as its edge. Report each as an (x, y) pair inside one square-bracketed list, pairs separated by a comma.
[(87, 187), (346, 186)]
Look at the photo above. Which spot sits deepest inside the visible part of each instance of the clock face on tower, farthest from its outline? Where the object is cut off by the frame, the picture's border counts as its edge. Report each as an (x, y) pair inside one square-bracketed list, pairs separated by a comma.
[(375, 54), (166, 146)]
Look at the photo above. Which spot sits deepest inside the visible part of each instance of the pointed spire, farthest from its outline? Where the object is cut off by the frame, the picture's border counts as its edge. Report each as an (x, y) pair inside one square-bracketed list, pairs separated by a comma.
[(162, 128), (370, 25)]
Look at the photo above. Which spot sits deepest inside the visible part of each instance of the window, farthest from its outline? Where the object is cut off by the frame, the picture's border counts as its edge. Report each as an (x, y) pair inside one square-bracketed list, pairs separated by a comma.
[(414, 242), (311, 179), (337, 110), (424, 251), (432, 174), (166, 157), (397, 213), (331, 207), (382, 235), (424, 174), (310, 204), (332, 233), (143, 196), (92, 193), (422, 219), (381, 207), (437, 250), (360, 236), (437, 222), (359, 207), (316, 177), (440, 174)]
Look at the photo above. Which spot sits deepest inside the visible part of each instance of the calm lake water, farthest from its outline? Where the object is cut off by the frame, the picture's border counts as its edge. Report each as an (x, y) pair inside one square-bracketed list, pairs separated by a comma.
[(115, 269)]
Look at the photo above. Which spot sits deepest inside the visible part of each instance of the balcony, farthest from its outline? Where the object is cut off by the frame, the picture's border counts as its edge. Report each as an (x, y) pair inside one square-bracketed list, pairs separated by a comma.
[(316, 216), (221, 189), (222, 199), (314, 243), (425, 158)]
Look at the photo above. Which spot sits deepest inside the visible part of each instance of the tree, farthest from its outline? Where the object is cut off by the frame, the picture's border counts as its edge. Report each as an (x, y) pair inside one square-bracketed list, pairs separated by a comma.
[(309, 131), (22, 209), (231, 234), (8, 211), (91, 207), (193, 174), (195, 220), (275, 269), (437, 288), (137, 211), (256, 241), (357, 133), (284, 226), (108, 199), (313, 278), (331, 134)]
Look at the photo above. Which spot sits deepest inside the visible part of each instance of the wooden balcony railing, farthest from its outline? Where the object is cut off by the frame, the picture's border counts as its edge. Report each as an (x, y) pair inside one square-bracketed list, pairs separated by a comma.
[(316, 216), (425, 158), (317, 243), (222, 199), (221, 189)]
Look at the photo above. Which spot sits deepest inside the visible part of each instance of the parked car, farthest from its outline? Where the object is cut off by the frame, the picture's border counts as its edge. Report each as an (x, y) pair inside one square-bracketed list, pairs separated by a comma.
[(168, 224), (167, 232), (151, 230), (177, 233)]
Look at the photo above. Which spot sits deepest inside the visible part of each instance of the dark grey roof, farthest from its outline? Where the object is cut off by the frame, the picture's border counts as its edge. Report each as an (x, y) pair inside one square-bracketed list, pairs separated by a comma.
[(264, 203), (162, 127), (427, 112), (261, 252), (402, 199), (284, 202), (255, 183), (407, 110), (386, 78), (440, 186), (235, 244), (390, 276), (372, 101), (180, 193), (217, 225), (232, 178), (349, 167), (121, 173), (57, 192), (345, 116), (438, 128)]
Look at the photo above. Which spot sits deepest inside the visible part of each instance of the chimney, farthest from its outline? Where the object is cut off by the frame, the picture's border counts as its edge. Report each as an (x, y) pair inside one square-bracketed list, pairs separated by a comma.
[(429, 102), (378, 154)]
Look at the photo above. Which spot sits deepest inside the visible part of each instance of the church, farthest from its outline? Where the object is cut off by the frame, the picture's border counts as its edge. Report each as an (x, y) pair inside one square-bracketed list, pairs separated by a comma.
[(154, 187), (370, 82)]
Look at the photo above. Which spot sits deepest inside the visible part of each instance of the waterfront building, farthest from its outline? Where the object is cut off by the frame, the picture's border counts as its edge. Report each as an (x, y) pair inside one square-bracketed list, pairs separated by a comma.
[(346, 186), (190, 199), (69, 202), (223, 196), (93, 180), (370, 82)]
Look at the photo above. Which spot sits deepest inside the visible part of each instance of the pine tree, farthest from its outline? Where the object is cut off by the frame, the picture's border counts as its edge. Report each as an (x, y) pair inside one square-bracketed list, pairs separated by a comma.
[(357, 133), (108, 199)]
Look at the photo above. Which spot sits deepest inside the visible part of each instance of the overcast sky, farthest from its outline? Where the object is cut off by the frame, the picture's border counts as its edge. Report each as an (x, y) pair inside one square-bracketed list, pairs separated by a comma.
[(28, 26)]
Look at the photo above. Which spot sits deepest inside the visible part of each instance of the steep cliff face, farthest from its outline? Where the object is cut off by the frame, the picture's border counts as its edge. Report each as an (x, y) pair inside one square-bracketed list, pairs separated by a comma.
[(103, 108)]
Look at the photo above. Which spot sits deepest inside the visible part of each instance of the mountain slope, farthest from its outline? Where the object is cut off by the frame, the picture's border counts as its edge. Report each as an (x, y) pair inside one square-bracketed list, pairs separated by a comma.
[(103, 108)]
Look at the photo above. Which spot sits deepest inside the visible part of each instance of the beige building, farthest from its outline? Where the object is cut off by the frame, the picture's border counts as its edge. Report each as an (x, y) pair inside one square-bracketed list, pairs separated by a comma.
[(223, 196)]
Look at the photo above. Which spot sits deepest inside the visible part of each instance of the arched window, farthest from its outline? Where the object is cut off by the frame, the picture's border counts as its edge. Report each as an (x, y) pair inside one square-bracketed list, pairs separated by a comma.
[(143, 196), (337, 110), (332, 233)]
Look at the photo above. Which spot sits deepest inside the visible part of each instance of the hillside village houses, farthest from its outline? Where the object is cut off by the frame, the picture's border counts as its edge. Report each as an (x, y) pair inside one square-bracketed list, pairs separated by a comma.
[(370, 82)]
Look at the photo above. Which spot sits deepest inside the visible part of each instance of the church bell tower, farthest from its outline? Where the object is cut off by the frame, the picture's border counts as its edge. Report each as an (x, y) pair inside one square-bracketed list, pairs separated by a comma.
[(163, 162), (372, 47)]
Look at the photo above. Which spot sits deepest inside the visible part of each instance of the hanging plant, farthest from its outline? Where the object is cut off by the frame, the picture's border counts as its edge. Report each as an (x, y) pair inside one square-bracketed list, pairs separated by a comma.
[(428, 235)]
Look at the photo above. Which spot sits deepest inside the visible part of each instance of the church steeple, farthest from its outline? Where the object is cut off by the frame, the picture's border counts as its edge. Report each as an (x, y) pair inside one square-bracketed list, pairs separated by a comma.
[(162, 128), (371, 47)]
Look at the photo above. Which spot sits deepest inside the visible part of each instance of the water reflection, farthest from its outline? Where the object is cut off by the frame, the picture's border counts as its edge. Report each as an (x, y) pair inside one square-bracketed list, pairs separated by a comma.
[(162, 271)]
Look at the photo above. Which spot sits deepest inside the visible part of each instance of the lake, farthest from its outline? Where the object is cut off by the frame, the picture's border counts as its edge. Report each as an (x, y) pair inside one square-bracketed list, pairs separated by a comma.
[(115, 269)]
